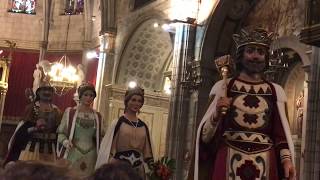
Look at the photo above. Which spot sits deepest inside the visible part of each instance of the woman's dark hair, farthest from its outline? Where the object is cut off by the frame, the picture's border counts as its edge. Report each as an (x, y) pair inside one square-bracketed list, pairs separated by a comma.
[(31, 170), (116, 171), (43, 88), (85, 87)]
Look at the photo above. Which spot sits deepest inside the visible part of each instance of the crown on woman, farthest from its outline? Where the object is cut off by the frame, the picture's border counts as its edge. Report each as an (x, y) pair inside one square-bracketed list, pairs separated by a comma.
[(135, 90), (86, 84), (257, 36)]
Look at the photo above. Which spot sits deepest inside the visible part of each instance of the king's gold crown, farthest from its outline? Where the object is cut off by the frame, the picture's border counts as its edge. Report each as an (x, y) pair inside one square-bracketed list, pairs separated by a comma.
[(256, 36)]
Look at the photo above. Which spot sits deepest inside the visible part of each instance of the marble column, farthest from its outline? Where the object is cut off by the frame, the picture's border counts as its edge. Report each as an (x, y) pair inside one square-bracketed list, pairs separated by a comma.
[(311, 168), (183, 54)]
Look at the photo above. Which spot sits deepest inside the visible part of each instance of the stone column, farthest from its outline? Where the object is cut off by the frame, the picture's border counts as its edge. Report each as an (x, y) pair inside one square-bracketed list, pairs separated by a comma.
[(45, 28), (108, 13), (88, 28), (106, 56), (180, 98), (303, 128), (311, 167), (105, 69)]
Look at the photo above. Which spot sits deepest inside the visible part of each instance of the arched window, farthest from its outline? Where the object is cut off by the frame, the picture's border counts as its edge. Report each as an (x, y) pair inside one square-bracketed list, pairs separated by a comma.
[(22, 6), (74, 7)]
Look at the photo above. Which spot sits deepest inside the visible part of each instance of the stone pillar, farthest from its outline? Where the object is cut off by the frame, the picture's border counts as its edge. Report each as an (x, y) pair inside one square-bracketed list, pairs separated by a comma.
[(45, 28), (303, 133), (180, 98), (108, 15), (311, 168), (105, 69), (88, 28), (106, 56)]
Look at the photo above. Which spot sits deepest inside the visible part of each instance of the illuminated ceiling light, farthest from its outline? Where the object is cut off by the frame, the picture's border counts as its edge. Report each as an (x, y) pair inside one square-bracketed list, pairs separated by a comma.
[(167, 91), (132, 84), (166, 27), (155, 25), (91, 54), (167, 86), (62, 76)]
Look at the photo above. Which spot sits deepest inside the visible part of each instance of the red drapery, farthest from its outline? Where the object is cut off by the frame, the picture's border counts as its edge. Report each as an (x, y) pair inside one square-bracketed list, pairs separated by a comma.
[(92, 67), (21, 77)]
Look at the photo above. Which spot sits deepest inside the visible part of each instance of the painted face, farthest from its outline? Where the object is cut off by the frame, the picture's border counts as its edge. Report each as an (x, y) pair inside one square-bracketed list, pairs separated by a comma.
[(46, 95), (254, 57), (135, 103), (87, 97)]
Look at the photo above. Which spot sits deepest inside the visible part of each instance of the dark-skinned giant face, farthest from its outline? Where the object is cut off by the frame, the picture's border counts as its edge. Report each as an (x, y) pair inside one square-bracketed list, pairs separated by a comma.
[(253, 59), (44, 94), (252, 54)]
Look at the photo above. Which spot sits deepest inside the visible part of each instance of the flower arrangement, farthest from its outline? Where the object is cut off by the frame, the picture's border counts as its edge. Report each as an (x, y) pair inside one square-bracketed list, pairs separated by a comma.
[(163, 169)]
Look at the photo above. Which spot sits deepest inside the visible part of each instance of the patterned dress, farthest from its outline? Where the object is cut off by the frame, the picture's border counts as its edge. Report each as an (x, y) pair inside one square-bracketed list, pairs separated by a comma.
[(127, 141), (250, 142), (29, 144), (83, 154)]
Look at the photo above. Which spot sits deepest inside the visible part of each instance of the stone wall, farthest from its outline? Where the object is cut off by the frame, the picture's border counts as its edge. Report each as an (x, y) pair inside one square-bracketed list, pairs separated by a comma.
[(59, 26), (24, 29)]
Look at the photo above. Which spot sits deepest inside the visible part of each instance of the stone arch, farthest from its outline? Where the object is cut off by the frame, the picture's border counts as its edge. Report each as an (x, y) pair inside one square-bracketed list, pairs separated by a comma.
[(294, 78), (225, 20), (293, 43), (144, 55), (293, 86)]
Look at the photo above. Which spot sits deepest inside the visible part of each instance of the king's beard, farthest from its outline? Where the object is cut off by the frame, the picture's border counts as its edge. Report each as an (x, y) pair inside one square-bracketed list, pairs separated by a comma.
[(253, 66)]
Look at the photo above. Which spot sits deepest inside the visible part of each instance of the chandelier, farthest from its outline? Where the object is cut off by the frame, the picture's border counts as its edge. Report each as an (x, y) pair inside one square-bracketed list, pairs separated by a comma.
[(62, 75), (278, 61)]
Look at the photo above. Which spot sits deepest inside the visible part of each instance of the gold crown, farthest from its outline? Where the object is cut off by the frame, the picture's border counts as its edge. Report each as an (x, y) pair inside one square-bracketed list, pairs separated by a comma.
[(256, 36)]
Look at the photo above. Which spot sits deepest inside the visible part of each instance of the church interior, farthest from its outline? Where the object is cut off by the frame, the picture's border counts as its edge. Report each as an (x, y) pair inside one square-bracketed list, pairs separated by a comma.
[(168, 48)]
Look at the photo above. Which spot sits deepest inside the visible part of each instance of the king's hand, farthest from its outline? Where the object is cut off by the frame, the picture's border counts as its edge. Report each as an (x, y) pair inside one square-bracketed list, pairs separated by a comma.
[(289, 170)]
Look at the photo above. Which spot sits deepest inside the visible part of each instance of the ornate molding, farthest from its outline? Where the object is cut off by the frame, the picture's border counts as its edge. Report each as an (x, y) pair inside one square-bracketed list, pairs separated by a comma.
[(311, 35)]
